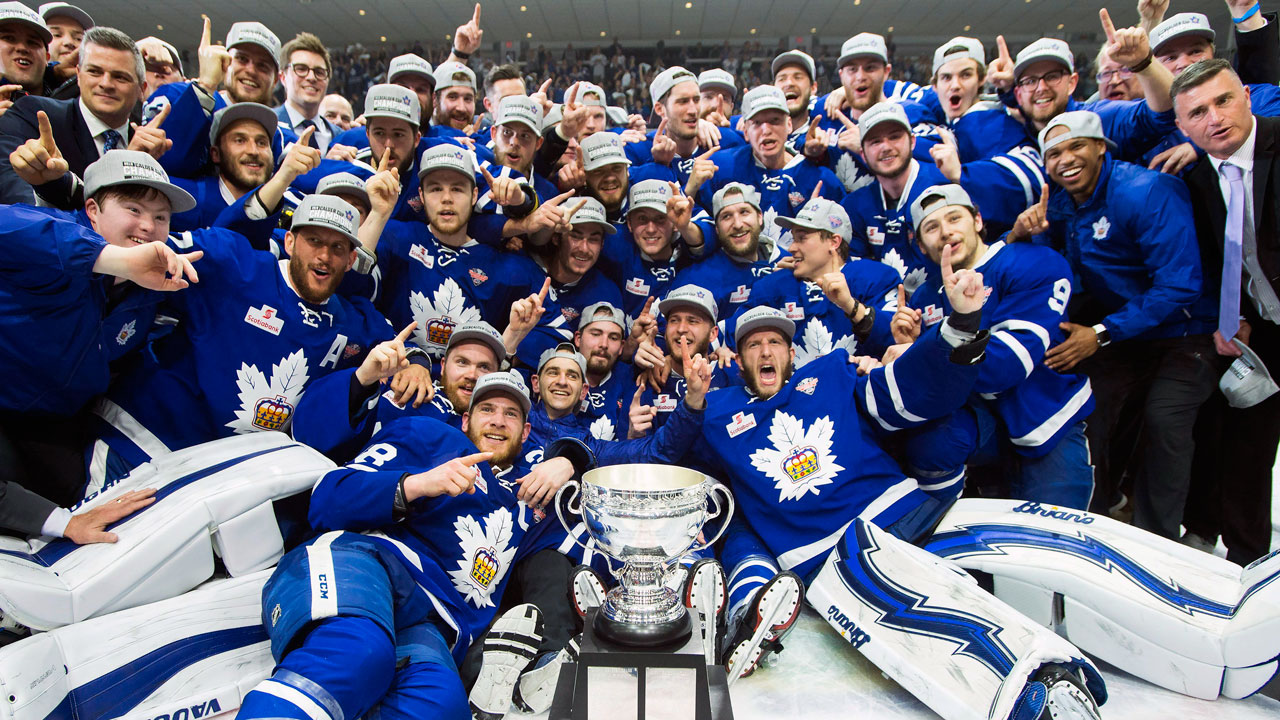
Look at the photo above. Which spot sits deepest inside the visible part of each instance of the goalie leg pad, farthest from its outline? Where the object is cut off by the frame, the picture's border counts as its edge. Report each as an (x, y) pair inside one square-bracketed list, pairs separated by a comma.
[(928, 625), (195, 655), (1174, 616), (165, 548)]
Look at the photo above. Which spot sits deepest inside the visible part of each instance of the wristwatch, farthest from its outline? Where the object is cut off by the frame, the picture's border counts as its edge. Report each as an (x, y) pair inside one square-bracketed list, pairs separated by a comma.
[(1104, 336)]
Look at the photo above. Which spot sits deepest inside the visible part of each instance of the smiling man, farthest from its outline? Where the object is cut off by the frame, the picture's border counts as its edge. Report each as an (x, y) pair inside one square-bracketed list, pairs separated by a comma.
[(305, 77), (1144, 325), (796, 75), (242, 160), (253, 340)]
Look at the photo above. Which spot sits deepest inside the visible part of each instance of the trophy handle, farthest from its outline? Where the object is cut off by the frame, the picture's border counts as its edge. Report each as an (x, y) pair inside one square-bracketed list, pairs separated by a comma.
[(720, 509), (568, 505)]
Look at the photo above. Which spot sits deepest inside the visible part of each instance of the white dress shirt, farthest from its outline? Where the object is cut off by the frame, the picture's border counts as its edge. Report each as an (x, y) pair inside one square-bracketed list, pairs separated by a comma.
[(97, 127)]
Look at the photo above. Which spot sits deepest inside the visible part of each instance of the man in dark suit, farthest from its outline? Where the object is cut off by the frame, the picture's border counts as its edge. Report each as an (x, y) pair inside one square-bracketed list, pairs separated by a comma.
[(111, 82), (1236, 195), (305, 77)]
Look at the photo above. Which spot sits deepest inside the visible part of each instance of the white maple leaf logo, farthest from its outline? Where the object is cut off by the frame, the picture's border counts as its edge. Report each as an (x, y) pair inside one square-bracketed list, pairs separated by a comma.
[(602, 428), (914, 279), (269, 405), (894, 260), (800, 461), (784, 235), (438, 317), (817, 340), (850, 174), (486, 555)]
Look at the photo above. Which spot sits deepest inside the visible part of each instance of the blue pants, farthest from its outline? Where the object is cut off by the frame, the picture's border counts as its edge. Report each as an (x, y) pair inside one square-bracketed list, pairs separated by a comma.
[(352, 636)]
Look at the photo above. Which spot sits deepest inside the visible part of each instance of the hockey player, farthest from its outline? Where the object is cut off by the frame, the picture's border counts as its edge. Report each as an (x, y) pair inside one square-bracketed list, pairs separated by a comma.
[(246, 67), (24, 53), (1041, 81), (455, 99), (66, 322), (784, 181), (240, 151), (1129, 236), (576, 282), (746, 252), (823, 271), (879, 213), (516, 136), (1023, 417), (209, 379), (690, 313), (408, 71), (681, 135), (982, 128), (601, 332), (796, 75), (717, 93)]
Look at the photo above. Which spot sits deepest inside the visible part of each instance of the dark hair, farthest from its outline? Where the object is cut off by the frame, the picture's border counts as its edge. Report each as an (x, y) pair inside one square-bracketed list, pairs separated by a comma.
[(113, 39), (310, 43), (1198, 74), (120, 193), (501, 72)]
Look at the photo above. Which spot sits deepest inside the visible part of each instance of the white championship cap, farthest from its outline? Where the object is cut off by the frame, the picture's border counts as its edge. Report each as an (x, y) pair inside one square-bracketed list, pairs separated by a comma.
[(667, 79), (327, 211), (481, 332), (649, 194), (1044, 49), (392, 101), (821, 214), (16, 12), (447, 156), (1079, 124), (602, 148), (133, 167), (564, 350), (257, 112), (761, 98), (591, 212), (1247, 382), (255, 33), (732, 194), (863, 45), (508, 383), (1181, 25), (602, 312), (882, 112), (761, 317), (451, 74), (410, 64), (343, 183), (61, 9), (692, 296), (520, 109), (795, 57), (959, 48), (718, 79)]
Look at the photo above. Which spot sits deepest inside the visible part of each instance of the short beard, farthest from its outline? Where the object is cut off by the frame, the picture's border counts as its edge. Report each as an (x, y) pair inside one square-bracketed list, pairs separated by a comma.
[(298, 274), (750, 379)]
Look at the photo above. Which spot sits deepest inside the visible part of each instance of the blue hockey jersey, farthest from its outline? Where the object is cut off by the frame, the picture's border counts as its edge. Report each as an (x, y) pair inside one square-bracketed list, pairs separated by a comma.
[(606, 403), (1030, 287), (246, 349), (782, 192), (728, 279)]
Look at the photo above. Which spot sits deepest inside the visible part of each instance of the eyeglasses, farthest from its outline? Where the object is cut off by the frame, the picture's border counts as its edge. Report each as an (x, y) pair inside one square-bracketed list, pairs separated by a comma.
[(1026, 82), (1106, 75), (302, 70)]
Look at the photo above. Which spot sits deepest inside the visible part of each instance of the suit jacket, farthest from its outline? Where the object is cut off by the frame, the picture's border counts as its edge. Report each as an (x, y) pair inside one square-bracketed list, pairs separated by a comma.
[(1257, 58), (1211, 212), (71, 133), (286, 124), (21, 510)]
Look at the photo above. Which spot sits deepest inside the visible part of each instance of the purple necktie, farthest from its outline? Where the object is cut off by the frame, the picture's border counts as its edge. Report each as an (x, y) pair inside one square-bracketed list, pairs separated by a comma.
[(1232, 254)]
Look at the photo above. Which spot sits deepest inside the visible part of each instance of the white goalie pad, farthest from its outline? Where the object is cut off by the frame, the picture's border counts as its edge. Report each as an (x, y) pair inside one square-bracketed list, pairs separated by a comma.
[(929, 626), (212, 497), (1177, 617), (193, 656)]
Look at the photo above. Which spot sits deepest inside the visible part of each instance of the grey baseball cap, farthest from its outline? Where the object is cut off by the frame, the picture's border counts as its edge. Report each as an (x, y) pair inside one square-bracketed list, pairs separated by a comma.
[(328, 211), (343, 183), (795, 57), (1247, 381), (959, 48), (451, 74), (1079, 124), (410, 64), (255, 33), (614, 316), (761, 98), (61, 9), (564, 350), (882, 112), (821, 214), (16, 12), (591, 212), (173, 51), (649, 194), (592, 94), (447, 156), (718, 79), (689, 296), (1181, 25), (520, 109), (758, 318), (602, 148), (938, 198), (863, 45), (667, 79), (1044, 49), (133, 167), (257, 112), (392, 101), (732, 194), (481, 332), (508, 383)]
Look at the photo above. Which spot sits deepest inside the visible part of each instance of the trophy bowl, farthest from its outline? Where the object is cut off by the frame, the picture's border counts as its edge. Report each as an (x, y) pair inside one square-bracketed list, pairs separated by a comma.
[(645, 517)]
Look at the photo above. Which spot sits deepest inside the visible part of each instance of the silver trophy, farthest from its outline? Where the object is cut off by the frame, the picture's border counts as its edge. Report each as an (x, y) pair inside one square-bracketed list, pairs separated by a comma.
[(646, 517)]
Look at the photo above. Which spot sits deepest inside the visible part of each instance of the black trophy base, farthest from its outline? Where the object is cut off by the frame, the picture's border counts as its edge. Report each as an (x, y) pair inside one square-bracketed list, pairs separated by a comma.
[(574, 697), (671, 634)]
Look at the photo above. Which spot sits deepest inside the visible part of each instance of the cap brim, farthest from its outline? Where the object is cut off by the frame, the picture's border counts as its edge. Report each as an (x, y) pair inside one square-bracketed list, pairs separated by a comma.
[(716, 85), (521, 399), (179, 200), (668, 305), (881, 121), (339, 190), (425, 171), (44, 31), (789, 59), (1206, 33), (392, 78), (262, 115), (355, 241), (72, 12), (386, 114), (651, 206), (791, 224), (589, 166), (520, 121), (606, 226), (260, 46), (844, 59), (782, 110), (1017, 70), (461, 336)]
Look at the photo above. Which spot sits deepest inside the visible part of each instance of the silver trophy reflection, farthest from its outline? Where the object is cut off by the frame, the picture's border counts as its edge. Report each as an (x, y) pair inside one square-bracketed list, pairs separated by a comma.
[(645, 517)]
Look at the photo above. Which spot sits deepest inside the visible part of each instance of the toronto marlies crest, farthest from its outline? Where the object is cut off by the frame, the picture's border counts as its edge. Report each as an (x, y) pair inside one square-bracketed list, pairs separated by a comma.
[(438, 316), (800, 461), (269, 405), (486, 555)]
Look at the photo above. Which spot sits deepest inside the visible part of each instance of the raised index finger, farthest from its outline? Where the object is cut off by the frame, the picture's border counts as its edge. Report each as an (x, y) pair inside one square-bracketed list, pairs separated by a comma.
[(560, 198), (1107, 26), (475, 458), (305, 137), (46, 132), (1004, 48), (662, 127), (817, 191), (158, 120), (383, 161), (945, 263), (844, 120), (574, 210), (206, 36), (475, 17), (573, 95), (405, 333), (1044, 197), (648, 305), (546, 285)]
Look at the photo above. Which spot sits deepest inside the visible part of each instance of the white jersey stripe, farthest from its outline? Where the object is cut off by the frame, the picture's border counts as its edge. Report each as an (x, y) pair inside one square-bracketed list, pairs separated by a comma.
[(294, 697), (1051, 426), (1021, 352), (129, 426)]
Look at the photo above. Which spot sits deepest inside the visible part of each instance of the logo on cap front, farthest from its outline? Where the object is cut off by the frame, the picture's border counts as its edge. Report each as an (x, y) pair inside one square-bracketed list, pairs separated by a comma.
[(141, 171)]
